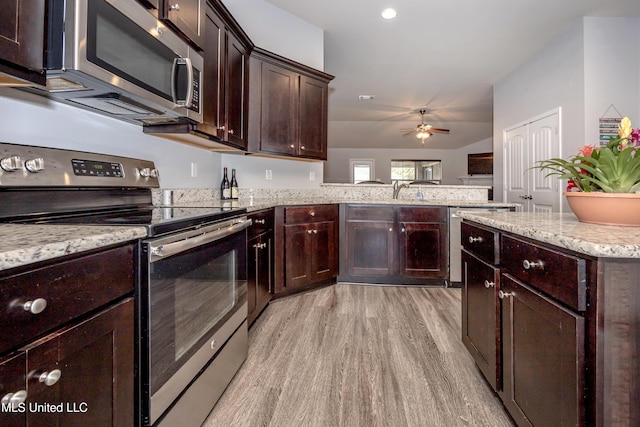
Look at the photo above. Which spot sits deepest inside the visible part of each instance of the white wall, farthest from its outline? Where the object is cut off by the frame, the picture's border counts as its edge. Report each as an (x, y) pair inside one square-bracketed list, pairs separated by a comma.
[(279, 31), (285, 173), (33, 120), (454, 162), (592, 65)]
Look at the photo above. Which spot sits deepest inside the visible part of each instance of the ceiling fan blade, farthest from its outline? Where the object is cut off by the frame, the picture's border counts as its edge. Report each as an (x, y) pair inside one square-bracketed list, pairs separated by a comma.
[(439, 130), (410, 132)]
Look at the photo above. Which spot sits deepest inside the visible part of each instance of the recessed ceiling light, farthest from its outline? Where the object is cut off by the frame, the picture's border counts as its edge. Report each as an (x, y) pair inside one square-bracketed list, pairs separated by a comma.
[(389, 13), (366, 97)]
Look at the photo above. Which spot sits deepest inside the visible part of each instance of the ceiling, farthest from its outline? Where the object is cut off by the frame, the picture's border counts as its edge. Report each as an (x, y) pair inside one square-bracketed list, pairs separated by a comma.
[(440, 55)]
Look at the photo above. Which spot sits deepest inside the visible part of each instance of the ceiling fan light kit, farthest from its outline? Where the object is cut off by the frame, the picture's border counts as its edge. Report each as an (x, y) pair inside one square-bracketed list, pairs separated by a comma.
[(423, 130)]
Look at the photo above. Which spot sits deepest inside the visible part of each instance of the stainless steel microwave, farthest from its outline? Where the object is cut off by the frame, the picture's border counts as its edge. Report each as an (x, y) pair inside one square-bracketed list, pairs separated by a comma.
[(116, 58)]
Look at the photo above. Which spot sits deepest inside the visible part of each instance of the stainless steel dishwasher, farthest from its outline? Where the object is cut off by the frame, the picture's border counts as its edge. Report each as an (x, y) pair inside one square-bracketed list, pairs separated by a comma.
[(455, 246)]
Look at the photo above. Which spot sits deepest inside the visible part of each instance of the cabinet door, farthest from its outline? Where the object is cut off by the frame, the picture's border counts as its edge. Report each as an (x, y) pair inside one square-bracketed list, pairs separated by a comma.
[(297, 250), (279, 110), (94, 361), (236, 93), (480, 315), (188, 17), (543, 358), (313, 118), (22, 25), (213, 77), (259, 280), (13, 391), (370, 248), (323, 250), (424, 250)]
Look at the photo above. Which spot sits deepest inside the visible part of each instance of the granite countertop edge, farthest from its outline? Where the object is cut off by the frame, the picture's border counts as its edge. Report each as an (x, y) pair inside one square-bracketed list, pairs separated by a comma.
[(565, 231), (26, 244)]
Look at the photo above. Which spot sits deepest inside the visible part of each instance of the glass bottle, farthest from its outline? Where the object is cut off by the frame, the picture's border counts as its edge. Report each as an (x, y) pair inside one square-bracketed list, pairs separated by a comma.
[(225, 188), (234, 185)]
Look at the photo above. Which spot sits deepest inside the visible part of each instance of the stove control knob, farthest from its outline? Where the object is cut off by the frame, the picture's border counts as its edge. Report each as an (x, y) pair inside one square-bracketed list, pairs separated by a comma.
[(145, 172), (11, 163), (35, 165), (153, 173)]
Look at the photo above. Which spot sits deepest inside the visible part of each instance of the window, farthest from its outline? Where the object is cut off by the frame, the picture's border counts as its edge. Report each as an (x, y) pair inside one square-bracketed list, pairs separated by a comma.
[(361, 170), (406, 171)]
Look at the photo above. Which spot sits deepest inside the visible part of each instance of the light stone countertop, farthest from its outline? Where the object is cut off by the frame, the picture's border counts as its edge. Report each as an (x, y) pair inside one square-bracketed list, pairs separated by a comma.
[(564, 230), (26, 244)]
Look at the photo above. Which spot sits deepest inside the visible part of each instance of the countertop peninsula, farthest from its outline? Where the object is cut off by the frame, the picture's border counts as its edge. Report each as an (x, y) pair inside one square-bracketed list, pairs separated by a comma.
[(564, 230)]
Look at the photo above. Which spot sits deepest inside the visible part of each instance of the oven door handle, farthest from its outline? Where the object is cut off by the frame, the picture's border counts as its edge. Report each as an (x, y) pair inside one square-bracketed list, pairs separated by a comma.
[(168, 249)]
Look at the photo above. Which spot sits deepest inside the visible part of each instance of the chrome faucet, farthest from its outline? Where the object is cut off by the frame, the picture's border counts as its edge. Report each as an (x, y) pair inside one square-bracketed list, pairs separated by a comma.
[(397, 187)]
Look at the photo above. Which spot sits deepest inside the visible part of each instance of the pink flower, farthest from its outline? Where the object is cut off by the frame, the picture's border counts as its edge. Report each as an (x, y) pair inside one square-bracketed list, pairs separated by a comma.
[(634, 138), (586, 151)]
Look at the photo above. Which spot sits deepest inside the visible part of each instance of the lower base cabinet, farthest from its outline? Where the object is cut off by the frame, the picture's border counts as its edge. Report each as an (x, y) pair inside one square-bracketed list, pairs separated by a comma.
[(259, 263), (80, 376)]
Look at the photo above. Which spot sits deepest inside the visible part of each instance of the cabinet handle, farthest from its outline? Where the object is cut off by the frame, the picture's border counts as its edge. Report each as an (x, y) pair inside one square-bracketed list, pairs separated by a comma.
[(175, 7), (309, 231), (49, 378), (488, 284), (504, 295), (312, 213), (475, 239), (315, 231), (530, 264), (14, 399), (390, 229), (221, 128), (259, 221), (231, 131), (302, 147), (36, 306), (292, 146)]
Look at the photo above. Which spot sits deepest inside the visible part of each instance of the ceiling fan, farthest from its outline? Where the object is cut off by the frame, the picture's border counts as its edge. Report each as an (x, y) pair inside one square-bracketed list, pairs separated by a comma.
[(423, 130)]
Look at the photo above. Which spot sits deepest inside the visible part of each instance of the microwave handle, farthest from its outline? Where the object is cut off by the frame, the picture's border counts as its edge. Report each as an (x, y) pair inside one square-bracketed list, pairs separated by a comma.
[(180, 62)]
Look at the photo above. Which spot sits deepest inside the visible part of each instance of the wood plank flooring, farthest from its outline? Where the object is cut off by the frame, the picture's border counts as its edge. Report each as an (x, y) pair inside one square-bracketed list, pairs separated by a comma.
[(353, 355)]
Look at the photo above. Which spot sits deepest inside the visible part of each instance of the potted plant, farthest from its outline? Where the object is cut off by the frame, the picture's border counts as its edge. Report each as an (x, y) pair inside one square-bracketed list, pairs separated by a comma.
[(603, 181)]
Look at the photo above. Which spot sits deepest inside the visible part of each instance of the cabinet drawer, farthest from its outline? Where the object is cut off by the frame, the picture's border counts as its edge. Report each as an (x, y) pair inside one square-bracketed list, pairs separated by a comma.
[(262, 221), (481, 242), (304, 214), (411, 214), (370, 213), (560, 275), (70, 289)]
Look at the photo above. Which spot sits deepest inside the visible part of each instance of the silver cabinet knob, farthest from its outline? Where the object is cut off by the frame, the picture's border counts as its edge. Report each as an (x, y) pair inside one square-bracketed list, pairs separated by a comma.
[(11, 163), (475, 239), (488, 284), (14, 399), (504, 295), (302, 147), (531, 264), (231, 131), (34, 165), (292, 146), (259, 221), (315, 231), (50, 378), (312, 213), (309, 231), (36, 306), (175, 7), (390, 229)]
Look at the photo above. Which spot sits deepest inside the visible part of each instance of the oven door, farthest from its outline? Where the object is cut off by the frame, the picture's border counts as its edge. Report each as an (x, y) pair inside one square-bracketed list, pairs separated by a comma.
[(194, 300)]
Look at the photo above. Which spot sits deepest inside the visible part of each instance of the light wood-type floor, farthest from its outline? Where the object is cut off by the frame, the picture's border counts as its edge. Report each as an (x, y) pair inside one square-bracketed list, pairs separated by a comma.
[(353, 355)]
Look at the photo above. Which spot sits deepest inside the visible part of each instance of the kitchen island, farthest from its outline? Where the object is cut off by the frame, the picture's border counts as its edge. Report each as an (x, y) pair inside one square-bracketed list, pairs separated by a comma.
[(561, 300)]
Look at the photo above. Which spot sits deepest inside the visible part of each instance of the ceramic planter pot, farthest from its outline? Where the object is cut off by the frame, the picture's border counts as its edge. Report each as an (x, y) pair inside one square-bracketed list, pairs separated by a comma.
[(606, 208)]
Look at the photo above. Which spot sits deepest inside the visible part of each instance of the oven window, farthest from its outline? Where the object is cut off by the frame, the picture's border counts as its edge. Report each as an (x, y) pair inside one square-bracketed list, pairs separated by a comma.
[(192, 294)]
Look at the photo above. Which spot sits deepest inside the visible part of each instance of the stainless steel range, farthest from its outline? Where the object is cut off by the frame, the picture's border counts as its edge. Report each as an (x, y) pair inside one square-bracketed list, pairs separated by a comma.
[(191, 295)]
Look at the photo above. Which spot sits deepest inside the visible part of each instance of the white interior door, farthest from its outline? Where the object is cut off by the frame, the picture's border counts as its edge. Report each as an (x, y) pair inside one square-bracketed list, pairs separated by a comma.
[(524, 145)]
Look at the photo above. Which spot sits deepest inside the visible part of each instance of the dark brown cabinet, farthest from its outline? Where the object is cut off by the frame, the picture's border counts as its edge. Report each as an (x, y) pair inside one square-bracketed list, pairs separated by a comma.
[(260, 262), (543, 358), (480, 303), (187, 17), (22, 27), (71, 343), (226, 79), (308, 246), (387, 244), (288, 107)]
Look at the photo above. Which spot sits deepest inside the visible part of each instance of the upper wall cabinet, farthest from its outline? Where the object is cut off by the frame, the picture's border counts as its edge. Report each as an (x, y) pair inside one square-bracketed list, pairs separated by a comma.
[(288, 105), (226, 78), (22, 26), (184, 16)]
